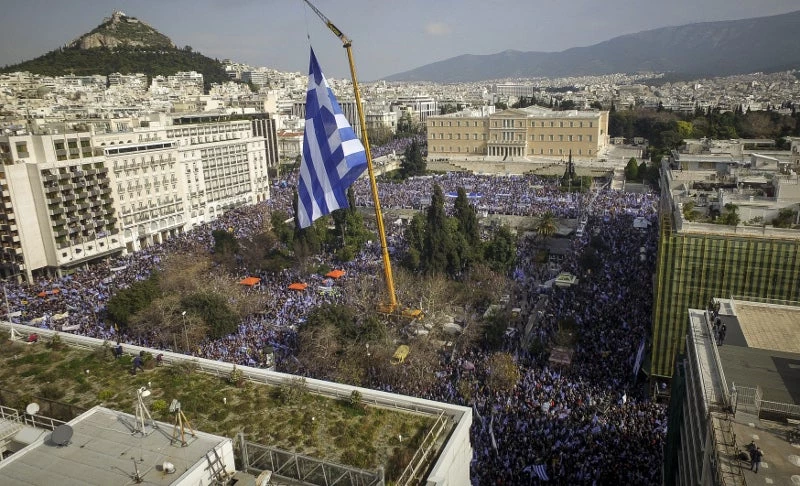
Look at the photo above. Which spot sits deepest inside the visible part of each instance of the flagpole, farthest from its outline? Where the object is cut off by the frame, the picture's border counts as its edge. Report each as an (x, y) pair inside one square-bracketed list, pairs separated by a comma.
[(387, 265)]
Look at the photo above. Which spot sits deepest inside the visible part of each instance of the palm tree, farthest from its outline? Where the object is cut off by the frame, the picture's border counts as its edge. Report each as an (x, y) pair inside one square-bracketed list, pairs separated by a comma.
[(546, 225)]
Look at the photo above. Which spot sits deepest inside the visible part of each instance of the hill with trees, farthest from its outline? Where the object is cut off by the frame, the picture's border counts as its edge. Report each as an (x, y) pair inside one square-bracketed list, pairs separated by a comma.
[(125, 45)]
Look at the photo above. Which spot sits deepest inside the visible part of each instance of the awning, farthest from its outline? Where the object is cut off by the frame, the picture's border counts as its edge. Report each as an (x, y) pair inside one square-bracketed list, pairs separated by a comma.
[(335, 273), (249, 281), (298, 286)]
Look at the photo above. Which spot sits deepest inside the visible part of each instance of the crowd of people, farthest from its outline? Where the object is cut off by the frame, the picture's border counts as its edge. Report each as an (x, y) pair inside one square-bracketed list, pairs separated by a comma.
[(587, 423)]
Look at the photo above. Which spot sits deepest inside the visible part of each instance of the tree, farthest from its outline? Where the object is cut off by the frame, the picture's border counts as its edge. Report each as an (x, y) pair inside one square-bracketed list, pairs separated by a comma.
[(214, 311), (731, 215), (546, 225), (224, 242), (567, 105), (127, 302), (685, 129), (468, 229), (501, 252), (415, 236), (644, 171), (502, 373), (632, 170), (349, 229), (786, 217), (436, 247), (413, 164)]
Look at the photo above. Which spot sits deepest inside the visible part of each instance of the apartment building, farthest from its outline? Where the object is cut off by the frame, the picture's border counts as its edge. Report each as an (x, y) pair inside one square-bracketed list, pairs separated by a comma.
[(731, 392), (518, 134), (423, 106), (58, 207), (74, 197), (699, 258)]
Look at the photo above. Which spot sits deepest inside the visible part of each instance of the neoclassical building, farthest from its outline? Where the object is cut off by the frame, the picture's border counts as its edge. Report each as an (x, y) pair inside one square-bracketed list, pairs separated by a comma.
[(518, 134)]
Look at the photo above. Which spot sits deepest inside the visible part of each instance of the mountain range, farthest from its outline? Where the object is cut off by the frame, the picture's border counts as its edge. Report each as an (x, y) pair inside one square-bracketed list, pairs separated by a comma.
[(765, 44)]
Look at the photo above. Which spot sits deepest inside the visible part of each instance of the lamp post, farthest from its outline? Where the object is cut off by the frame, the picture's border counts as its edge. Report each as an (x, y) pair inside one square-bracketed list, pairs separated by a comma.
[(185, 335)]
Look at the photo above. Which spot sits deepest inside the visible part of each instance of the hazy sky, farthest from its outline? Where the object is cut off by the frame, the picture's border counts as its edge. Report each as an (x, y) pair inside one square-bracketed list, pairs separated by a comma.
[(389, 36)]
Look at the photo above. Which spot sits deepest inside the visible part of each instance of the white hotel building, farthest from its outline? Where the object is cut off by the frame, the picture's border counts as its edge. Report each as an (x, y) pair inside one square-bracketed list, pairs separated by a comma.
[(70, 198)]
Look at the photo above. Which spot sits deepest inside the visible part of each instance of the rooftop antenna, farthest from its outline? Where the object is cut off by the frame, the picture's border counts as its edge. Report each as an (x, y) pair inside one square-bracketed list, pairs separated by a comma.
[(142, 413), (180, 423)]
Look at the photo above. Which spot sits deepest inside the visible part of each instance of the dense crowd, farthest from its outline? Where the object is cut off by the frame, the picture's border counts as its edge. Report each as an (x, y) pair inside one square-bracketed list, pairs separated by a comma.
[(587, 423)]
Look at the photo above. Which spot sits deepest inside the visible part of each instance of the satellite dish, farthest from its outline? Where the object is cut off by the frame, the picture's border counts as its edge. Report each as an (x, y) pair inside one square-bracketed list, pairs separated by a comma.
[(168, 467), (61, 435), (145, 393), (32, 408)]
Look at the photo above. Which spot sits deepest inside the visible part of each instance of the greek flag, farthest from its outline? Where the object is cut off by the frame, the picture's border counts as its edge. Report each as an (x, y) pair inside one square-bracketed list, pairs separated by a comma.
[(333, 157), (638, 361), (539, 470)]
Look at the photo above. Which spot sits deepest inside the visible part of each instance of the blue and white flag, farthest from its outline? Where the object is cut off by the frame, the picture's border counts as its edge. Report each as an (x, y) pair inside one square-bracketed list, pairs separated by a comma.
[(333, 157), (539, 470), (638, 360)]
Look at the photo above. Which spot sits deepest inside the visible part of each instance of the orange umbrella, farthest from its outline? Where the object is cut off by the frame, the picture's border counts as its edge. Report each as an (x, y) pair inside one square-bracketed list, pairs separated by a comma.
[(55, 291), (298, 286), (42, 294), (335, 273)]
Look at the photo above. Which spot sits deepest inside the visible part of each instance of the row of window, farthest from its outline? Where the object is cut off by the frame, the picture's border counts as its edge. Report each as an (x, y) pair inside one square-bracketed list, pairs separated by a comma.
[(533, 151), (510, 123), (509, 136)]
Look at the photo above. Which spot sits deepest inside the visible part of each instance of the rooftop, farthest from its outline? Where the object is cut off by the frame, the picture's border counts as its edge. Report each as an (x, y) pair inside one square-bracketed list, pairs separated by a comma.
[(104, 450), (762, 348), (753, 359)]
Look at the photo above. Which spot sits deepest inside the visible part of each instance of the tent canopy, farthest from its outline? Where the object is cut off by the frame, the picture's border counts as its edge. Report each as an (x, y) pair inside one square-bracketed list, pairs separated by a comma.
[(249, 281), (335, 273), (298, 286)]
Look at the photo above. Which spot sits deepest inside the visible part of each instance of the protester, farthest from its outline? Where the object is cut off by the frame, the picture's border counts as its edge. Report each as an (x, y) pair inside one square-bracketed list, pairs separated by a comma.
[(575, 425)]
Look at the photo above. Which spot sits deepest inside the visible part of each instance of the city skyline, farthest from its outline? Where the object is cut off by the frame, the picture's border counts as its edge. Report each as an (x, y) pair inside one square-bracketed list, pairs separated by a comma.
[(274, 34)]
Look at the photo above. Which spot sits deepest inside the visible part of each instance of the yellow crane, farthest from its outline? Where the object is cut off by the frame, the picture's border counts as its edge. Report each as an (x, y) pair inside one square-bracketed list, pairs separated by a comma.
[(391, 306)]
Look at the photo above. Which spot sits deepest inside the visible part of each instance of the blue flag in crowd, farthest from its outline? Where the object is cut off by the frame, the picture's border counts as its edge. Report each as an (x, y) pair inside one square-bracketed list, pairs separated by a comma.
[(333, 157)]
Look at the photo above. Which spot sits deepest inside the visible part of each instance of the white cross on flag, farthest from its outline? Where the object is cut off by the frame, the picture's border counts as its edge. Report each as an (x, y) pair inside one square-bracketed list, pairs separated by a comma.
[(333, 157)]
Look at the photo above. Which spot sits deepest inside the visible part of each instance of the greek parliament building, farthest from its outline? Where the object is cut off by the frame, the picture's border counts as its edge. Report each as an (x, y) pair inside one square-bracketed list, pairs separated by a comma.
[(93, 190), (518, 133), (756, 255)]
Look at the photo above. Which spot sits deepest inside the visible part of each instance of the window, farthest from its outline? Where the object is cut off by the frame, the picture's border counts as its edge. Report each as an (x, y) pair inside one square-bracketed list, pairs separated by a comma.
[(580, 138), (590, 138), (591, 124), (561, 138), (561, 124), (551, 138), (570, 124), (541, 138)]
